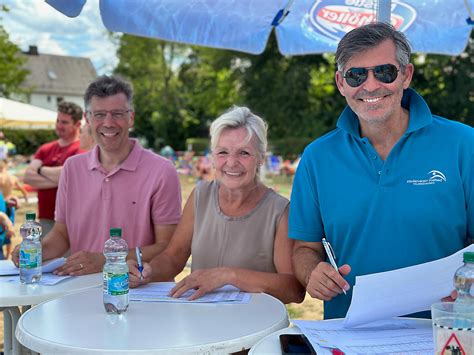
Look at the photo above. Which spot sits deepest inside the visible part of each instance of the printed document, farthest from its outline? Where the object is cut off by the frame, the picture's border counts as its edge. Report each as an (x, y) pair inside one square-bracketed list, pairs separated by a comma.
[(8, 268), (395, 336), (159, 291), (46, 279), (404, 291)]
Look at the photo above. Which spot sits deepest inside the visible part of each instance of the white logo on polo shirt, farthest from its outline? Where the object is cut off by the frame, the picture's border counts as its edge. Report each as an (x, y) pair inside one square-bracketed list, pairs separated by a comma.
[(435, 176)]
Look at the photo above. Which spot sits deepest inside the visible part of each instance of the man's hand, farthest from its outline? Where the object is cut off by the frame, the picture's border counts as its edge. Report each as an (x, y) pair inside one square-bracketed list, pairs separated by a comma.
[(451, 298), (134, 277), (82, 263), (203, 281), (325, 282)]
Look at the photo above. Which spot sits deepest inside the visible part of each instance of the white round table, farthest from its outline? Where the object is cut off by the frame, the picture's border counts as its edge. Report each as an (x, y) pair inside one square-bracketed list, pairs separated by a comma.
[(15, 294), (78, 324), (271, 343)]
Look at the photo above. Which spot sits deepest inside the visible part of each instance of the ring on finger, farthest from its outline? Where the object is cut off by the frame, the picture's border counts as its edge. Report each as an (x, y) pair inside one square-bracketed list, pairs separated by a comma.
[(81, 266)]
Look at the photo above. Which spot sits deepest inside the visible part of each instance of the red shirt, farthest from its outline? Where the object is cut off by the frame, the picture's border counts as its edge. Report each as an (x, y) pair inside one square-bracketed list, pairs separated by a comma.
[(52, 154)]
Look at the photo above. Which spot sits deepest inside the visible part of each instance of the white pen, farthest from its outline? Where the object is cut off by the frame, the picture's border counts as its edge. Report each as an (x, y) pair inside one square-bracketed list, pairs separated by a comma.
[(139, 261), (331, 257)]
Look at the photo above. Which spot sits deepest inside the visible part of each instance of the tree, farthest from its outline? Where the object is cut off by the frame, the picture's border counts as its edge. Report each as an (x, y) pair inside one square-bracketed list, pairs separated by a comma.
[(12, 74), (446, 83), (149, 64)]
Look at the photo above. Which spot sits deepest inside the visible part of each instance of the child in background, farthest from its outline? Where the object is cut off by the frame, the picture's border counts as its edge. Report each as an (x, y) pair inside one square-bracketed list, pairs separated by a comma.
[(9, 183)]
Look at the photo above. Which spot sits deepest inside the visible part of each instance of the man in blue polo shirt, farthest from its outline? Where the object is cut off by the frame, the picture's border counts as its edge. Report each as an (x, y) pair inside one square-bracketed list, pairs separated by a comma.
[(391, 186)]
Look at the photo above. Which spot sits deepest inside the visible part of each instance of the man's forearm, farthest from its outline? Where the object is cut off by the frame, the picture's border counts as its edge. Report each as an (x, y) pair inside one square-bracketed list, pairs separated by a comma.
[(38, 181), (304, 261), (52, 173), (55, 244), (148, 252)]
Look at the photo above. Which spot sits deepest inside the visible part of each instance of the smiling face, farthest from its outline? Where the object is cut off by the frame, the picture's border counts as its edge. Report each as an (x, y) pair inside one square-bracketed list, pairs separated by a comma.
[(110, 134), (236, 159), (375, 102)]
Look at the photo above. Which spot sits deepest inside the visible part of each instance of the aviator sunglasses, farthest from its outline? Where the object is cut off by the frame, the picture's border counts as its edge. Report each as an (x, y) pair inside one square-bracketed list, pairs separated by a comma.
[(385, 73)]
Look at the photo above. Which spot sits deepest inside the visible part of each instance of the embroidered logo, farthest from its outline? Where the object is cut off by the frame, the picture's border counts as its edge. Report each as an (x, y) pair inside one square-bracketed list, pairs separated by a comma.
[(435, 176)]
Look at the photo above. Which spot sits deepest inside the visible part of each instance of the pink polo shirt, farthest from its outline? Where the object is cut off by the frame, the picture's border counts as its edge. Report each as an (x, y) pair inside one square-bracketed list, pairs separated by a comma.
[(141, 192)]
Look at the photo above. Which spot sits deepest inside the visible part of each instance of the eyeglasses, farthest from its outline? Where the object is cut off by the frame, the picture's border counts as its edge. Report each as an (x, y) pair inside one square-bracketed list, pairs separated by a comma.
[(117, 115), (385, 73)]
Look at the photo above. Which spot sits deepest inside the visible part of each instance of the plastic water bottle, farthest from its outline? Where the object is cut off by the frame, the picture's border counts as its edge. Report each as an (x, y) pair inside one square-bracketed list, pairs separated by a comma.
[(464, 284), (30, 250), (464, 280), (115, 273)]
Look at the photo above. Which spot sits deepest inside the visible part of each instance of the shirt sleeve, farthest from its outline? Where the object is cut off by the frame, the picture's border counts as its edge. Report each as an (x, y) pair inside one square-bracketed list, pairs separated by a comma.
[(40, 153), (166, 202), (305, 221)]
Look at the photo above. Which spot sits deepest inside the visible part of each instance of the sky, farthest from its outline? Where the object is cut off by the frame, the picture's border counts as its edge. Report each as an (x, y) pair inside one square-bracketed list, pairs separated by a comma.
[(34, 22)]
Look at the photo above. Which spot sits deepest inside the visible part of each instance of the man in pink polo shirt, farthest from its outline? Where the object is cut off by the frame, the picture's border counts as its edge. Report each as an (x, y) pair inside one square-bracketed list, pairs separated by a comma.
[(118, 184)]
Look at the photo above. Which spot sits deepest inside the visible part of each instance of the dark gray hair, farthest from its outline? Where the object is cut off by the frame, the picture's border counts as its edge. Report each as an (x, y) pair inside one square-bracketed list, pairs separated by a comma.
[(238, 117), (371, 35), (105, 86)]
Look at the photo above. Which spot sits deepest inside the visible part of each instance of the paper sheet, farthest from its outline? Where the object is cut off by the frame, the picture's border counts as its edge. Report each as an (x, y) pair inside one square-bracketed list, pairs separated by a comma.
[(395, 336), (8, 268), (403, 291), (158, 292), (46, 279)]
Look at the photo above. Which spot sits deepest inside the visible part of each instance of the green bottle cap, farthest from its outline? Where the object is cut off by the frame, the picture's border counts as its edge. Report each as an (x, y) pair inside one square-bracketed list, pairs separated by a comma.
[(30, 216), (115, 232), (468, 257)]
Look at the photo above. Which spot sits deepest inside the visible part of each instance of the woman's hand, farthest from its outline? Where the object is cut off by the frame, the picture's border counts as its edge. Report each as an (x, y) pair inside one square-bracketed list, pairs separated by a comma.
[(203, 281)]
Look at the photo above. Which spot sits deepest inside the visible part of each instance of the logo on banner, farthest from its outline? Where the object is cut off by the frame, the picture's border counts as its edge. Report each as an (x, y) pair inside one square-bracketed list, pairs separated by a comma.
[(336, 19)]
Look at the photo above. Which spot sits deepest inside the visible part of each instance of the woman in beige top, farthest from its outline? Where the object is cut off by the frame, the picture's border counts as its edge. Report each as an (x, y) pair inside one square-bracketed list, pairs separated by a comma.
[(234, 227)]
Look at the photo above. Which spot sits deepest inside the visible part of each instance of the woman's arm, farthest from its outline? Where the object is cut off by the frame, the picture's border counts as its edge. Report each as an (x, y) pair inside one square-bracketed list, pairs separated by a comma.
[(282, 285)]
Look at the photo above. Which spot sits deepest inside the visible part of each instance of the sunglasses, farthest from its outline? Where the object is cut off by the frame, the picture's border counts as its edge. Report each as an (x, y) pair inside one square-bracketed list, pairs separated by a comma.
[(385, 73)]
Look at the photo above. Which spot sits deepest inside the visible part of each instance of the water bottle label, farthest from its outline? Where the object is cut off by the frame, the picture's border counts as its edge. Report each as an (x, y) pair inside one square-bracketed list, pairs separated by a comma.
[(30, 258), (115, 284)]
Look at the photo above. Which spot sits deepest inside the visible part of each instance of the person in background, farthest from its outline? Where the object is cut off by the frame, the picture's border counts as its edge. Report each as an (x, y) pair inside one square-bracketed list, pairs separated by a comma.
[(3, 146), (117, 184), (390, 187), (6, 225), (9, 183), (234, 227), (44, 170)]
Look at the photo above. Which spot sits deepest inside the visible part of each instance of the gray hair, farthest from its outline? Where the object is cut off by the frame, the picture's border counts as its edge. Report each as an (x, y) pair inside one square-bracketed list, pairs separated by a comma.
[(238, 117), (371, 35), (105, 86)]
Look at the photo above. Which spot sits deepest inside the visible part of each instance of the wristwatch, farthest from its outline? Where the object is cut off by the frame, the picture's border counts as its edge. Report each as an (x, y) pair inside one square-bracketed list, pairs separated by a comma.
[(39, 170)]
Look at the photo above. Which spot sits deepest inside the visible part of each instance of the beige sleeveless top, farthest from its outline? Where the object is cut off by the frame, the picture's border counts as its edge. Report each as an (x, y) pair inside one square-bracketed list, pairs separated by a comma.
[(243, 242)]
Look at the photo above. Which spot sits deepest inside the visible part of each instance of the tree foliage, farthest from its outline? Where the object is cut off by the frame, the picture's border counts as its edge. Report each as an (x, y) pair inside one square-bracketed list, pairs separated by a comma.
[(12, 74), (181, 89)]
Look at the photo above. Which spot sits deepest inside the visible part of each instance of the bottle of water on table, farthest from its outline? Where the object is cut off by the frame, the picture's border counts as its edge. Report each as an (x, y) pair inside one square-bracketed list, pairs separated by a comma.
[(115, 273), (30, 250), (464, 284)]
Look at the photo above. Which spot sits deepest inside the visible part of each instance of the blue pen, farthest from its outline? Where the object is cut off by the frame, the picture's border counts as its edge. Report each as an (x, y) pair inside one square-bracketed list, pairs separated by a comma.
[(139, 260)]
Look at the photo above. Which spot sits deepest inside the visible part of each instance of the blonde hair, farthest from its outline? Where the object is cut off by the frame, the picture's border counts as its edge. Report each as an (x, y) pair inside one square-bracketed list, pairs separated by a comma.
[(237, 117)]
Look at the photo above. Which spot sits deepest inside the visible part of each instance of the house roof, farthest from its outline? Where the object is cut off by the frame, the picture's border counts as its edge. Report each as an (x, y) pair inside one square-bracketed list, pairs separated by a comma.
[(55, 74)]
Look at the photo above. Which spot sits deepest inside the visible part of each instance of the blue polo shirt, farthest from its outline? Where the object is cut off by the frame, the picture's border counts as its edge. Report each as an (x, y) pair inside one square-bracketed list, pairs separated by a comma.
[(414, 207)]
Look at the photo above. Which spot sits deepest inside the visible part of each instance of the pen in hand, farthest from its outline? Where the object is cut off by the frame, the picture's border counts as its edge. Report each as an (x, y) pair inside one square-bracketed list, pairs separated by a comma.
[(139, 261), (331, 257)]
